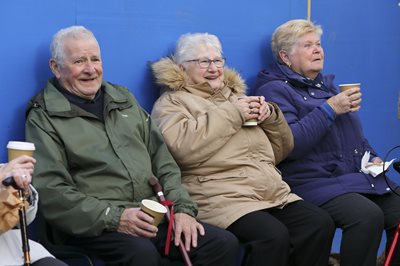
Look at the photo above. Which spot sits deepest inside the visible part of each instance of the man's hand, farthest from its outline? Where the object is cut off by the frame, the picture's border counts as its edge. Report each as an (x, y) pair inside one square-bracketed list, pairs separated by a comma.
[(137, 223), (188, 226)]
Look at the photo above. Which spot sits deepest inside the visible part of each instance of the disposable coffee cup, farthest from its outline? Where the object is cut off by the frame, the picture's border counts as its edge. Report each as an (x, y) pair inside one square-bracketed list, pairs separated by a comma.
[(251, 122), (344, 87), (154, 209), (19, 148)]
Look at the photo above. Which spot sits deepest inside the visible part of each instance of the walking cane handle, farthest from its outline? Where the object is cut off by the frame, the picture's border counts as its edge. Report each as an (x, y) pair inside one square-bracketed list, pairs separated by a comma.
[(157, 188), (155, 185)]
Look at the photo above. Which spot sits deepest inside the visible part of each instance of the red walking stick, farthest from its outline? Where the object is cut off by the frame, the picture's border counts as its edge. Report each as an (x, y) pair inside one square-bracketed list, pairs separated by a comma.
[(392, 247), (157, 188)]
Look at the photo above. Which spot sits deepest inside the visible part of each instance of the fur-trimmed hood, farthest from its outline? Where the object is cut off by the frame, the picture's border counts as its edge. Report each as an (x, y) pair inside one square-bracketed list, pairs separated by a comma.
[(170, 76)]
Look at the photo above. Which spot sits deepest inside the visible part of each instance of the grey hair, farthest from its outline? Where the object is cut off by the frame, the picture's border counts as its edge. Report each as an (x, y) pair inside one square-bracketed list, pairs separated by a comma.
[(57, 43), (286, 35), (186, 47)]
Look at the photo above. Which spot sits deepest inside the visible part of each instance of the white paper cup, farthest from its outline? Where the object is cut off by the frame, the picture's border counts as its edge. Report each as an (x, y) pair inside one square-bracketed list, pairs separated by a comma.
[(154, 209), (19, 148), (250, 122)]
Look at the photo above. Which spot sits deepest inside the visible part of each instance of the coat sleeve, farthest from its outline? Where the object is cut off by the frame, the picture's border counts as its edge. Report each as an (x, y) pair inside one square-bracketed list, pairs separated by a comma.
[(193, 136), (308, 130), (61, 201), (167, 171), (278, 132)]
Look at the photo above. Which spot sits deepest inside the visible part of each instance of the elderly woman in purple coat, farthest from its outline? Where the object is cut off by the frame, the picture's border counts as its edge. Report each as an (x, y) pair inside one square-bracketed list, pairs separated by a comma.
[(324, 166)]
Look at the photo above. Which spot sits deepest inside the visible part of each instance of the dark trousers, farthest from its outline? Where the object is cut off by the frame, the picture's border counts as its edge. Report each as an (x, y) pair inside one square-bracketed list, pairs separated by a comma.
[(362, 219), (48, 261), (300, 234), (217, 247)]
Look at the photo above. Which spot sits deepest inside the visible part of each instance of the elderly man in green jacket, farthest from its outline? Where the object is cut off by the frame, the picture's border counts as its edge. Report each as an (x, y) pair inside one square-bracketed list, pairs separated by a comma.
[(96, 149)]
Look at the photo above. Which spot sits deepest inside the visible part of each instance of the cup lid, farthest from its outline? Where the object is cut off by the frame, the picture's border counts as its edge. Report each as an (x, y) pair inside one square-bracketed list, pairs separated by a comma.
[(350, 84), (20, 145)]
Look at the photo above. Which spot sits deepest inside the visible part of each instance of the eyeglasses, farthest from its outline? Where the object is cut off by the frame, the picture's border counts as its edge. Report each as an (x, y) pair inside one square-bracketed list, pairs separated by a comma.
[(205, 63)]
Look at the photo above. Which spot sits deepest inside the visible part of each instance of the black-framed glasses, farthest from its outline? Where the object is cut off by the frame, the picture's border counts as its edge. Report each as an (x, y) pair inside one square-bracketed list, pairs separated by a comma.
[(205, 62)]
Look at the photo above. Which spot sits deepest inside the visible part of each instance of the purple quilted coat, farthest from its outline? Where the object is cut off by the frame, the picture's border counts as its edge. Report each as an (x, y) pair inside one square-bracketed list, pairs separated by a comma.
[(326, 158)]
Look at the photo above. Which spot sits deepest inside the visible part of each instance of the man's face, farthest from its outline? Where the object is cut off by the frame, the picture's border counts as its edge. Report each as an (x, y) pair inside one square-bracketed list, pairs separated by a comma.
[(82, 70)]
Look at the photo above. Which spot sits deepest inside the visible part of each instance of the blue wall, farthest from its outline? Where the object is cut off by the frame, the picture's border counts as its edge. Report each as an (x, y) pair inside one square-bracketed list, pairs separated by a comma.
[(361, 41)]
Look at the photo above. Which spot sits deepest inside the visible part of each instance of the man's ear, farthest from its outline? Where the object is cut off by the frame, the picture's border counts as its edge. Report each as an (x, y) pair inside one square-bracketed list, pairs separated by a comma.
[(284, 57), (55, 68)]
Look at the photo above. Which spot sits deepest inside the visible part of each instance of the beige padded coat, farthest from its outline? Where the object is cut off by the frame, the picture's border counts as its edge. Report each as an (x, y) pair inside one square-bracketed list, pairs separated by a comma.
[(229, 170)]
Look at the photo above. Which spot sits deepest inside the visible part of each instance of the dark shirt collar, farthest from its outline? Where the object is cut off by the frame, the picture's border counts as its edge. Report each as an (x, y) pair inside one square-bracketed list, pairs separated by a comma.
[(94, 106)]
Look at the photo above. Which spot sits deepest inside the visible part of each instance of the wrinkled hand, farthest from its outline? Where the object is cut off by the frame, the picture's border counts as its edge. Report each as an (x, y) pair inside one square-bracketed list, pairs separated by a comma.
[(188, 226), (137, 223), (265, 110), (346, 101), (254, 107), (21, 168), (376, 161)]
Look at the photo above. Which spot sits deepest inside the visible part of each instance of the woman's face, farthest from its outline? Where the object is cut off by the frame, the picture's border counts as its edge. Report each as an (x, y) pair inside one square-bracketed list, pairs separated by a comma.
[(307, 56), (212, 74)]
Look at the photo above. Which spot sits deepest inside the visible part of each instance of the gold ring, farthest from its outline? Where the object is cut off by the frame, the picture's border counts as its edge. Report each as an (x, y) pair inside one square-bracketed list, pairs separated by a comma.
[(24, 177)]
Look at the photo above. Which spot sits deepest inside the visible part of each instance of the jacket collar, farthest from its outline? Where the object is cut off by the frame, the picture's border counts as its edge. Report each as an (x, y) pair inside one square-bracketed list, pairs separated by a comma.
[(302, 82), (171, 77), (278, 71), (57, 104)]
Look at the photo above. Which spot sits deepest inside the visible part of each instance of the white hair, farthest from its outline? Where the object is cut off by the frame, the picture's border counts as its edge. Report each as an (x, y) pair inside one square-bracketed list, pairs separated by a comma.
[(187, 45), (57, 43)]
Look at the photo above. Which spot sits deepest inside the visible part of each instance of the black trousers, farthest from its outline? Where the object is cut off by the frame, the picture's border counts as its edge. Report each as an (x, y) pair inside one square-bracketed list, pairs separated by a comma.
[(217, 247), (48, 261), (300, 234), (362, 219)]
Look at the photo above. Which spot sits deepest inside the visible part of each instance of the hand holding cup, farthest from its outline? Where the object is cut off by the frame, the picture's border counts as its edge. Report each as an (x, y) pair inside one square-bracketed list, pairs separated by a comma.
[(250, 108), (348, 100), (154, 209), (352, 90)]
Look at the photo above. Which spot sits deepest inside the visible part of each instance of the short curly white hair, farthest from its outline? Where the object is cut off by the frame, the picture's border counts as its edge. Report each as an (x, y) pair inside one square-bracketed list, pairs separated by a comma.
[(186, 47)]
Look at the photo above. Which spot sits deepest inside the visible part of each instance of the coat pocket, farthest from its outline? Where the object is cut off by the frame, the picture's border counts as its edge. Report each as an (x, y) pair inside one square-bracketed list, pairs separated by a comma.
[(223, 176)]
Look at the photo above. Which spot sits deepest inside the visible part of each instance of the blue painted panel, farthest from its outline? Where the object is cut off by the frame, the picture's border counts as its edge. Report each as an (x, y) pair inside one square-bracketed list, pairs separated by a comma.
[(361, 41)]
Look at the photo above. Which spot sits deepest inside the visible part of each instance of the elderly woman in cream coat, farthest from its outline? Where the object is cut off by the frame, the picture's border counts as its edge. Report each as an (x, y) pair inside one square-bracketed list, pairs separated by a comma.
[(11, 253), (228, 168)]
